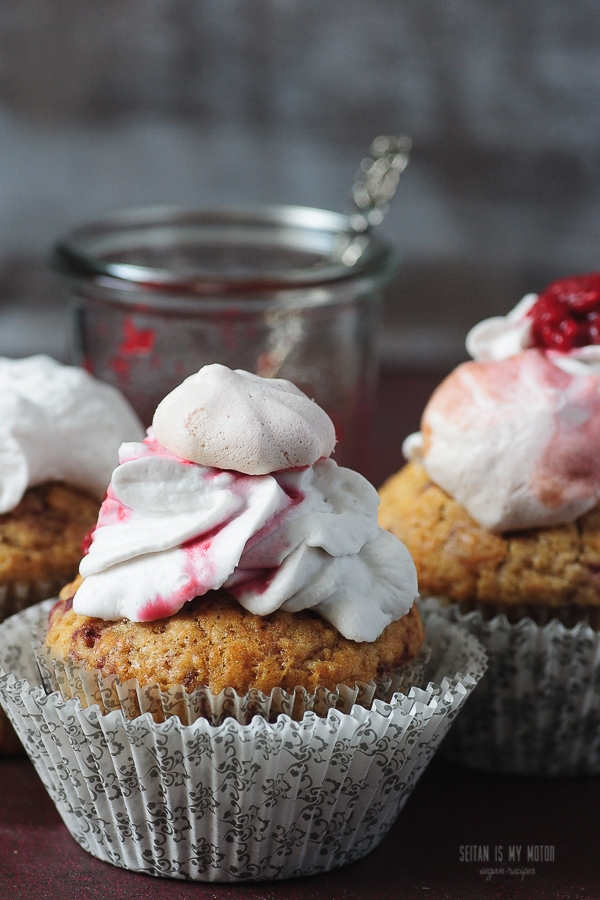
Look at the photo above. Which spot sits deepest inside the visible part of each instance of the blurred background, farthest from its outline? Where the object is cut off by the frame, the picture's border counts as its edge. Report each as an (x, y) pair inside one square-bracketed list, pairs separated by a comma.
[(107, 104)]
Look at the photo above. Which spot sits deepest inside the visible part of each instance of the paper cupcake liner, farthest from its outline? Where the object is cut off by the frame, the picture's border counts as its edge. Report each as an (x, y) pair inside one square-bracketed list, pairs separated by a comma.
[(537, 709), (235, 801), (19, 595), (109, 693), (13, 598), (569, 615)]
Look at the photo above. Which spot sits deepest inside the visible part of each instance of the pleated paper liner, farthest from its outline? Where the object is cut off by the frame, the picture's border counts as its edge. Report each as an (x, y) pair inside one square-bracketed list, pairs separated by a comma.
[(233, 802), (15, 596), (537, 710), (90, 688), (18, 595), (569, 614)]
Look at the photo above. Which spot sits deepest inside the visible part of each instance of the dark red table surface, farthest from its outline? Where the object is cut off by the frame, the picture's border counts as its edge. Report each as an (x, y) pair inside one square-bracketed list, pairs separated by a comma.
[(424, 856)]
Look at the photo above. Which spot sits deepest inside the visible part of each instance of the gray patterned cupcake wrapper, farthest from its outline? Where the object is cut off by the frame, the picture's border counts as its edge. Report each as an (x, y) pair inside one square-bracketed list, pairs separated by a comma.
[(90, 688), (233, 802), (537, 709), (14, 597), (20, 594)]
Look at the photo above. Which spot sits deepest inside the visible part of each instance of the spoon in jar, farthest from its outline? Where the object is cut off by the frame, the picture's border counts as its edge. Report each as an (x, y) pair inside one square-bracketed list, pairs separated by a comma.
[(374, 186)]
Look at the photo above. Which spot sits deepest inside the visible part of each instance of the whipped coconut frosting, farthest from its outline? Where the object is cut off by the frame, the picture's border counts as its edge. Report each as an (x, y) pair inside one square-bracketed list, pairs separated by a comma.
[(504, 336), (514, 436), (58, 423), (302, 537)]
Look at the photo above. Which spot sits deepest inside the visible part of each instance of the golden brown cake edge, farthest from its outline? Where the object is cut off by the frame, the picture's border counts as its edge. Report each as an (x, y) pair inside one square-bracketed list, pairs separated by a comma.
[(214, 641), (459, 560)]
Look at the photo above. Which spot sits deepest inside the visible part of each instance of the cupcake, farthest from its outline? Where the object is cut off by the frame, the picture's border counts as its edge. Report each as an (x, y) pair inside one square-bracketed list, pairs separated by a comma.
[(498, 506), (237, 663), (59, 438), (231, 552)]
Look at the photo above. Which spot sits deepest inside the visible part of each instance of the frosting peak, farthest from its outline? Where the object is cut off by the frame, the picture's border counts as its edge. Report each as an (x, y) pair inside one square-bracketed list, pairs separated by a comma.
[(170, 530), (514, 441), (240, 421), (58, 423), (231, 490)]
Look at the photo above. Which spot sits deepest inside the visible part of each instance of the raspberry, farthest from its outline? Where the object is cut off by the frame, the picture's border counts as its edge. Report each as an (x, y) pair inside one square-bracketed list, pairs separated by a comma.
[(567, 314)]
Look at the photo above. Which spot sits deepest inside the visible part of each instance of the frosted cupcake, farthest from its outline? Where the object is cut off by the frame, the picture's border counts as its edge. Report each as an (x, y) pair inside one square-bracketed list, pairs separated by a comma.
[(233, 492), (499, 508), (240, 614), (60, 431)]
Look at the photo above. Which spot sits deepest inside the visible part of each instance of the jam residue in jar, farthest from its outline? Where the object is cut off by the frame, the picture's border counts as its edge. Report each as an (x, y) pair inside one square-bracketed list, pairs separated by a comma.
[(567, 314)]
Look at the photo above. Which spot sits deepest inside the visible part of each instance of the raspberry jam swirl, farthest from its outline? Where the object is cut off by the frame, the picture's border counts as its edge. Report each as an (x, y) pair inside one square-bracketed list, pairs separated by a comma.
[(567, 314)]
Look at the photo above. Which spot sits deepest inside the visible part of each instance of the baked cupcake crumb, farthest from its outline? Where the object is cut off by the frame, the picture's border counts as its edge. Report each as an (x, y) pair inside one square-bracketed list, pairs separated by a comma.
[(214, 641), (459, 560), (40, 539)]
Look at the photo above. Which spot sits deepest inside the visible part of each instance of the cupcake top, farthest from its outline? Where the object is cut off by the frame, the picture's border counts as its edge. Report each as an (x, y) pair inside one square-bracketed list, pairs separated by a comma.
[(58, 423), (299, 536), (514, 435)]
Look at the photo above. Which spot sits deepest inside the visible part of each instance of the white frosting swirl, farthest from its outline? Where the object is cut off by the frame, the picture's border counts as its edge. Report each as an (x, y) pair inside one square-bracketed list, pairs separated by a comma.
[(504, 336), (308, 538), (240, 421), (514, 436), (514, 441), (57, 423)]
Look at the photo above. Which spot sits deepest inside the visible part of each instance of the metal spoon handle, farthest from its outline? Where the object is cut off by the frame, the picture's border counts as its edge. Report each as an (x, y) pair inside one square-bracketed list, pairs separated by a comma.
[(377, 179), (374, 186)]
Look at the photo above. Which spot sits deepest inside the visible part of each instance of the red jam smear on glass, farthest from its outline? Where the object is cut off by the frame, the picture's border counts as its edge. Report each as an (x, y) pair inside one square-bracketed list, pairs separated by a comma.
[(567, 314)]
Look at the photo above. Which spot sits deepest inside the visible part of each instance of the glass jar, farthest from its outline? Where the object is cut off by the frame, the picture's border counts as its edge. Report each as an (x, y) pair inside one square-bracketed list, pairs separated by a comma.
[(158, 293)]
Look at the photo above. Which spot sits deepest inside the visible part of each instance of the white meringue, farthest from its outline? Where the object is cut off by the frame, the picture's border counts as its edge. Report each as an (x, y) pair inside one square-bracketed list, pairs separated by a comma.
[(239, 421), (57, 423), (514, 441), (504, 336), (170, 530), (514, 436)]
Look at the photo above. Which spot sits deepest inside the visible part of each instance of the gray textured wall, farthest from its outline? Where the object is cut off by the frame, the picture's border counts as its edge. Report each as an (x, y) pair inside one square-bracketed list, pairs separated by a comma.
[(106, 103)]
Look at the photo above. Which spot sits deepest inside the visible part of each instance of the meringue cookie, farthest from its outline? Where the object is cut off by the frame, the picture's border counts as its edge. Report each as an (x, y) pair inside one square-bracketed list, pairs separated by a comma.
[(514, 441), (514, 436), (58, 423), (239, 421)]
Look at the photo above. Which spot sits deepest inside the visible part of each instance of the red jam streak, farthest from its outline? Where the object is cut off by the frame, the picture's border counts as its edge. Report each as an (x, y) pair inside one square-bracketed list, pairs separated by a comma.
[(199, 564), (569, 468), (136, 342), (567, 314), (112, 511), (157, 608), (493, 395), (87, 541), (258, 584)]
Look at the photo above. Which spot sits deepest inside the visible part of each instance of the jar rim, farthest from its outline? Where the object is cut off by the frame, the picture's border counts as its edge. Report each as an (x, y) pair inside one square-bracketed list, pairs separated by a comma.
[(115, 250)]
